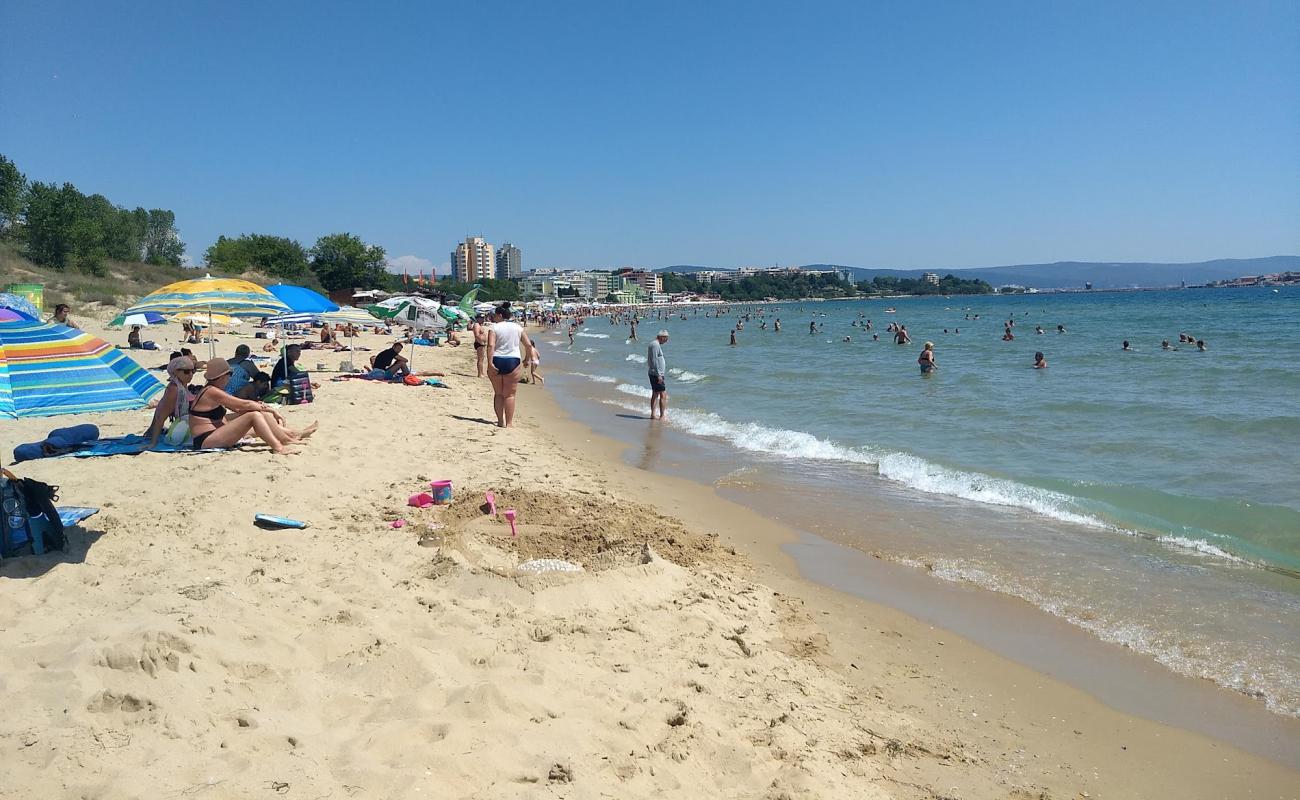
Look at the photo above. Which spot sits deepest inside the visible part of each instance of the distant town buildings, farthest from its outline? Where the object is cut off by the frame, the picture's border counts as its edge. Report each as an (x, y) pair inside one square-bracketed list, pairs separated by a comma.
[(734, 275), (931, 278), (1274, 279), (473, 260), (509, 262)]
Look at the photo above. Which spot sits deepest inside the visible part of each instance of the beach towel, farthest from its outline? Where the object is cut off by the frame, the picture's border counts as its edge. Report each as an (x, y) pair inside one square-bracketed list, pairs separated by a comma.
[(129, 445), (75, 515)]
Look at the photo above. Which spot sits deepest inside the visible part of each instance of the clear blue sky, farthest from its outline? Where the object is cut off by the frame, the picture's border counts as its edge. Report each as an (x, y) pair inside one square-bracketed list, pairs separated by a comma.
[(656, 133)]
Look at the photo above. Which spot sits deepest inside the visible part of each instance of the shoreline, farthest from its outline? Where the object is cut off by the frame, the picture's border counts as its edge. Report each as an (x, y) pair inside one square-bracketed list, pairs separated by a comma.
[(179, 649), (1129, 683)]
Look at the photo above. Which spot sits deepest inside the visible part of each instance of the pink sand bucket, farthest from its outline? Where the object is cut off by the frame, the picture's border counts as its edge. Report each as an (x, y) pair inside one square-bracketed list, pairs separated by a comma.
[(421, 500), (441, 492)]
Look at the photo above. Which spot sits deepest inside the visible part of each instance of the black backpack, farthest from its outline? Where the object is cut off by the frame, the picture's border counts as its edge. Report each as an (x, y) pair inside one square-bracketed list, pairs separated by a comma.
[(29, 521)]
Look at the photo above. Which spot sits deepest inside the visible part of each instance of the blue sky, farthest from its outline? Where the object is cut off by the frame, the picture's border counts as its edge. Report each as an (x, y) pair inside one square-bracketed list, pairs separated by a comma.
[(637, 133)]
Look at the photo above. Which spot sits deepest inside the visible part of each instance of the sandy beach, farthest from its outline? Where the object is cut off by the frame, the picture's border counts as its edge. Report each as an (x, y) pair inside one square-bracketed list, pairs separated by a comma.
[(175, 650)]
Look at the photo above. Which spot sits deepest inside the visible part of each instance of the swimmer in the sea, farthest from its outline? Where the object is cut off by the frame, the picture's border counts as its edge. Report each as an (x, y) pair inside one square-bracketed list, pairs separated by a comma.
[(1200, 345), (733, 337), (926, 359), (1040, 361), (1060, 329), (1126, 347), (1039, 329), (901, 337)]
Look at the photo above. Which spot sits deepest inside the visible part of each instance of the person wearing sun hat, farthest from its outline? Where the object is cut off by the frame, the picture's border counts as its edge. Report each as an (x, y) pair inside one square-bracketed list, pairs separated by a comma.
[(207, 418), (658, 367)]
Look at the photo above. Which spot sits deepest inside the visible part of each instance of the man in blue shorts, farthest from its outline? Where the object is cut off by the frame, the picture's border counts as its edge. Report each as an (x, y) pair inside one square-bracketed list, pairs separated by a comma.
[(654, 359)]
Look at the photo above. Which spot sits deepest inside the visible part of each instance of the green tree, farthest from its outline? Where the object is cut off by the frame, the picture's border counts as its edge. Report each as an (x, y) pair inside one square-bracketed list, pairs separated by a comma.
[(13, 191), (343, 261), (277, 256), (162, 242), (50, 213)]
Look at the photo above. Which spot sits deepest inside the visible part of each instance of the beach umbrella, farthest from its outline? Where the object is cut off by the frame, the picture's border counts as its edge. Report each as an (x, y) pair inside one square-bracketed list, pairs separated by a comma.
[(208, 295), (302, 299), (295, 318), (144, 320), (48, 369), (16, 302), (348, 315), (204, 319), (229, 296)]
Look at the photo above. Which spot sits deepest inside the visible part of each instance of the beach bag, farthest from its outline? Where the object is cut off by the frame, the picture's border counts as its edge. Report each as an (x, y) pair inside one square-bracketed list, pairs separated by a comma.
[(300, 389), (178, 433), (412, 380), (29, 521)]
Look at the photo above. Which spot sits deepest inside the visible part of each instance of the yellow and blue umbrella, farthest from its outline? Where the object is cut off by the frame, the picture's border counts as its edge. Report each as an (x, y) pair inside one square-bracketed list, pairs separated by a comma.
[(48, 369), (229, 296)]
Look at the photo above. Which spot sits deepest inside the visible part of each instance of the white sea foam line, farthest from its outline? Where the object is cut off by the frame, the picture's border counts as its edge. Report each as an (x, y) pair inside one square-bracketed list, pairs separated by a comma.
[(634, 357), (686, 376), (588, 349), (592, 335), (909, 470), (636, 391), (596, 378), (1129, 633)]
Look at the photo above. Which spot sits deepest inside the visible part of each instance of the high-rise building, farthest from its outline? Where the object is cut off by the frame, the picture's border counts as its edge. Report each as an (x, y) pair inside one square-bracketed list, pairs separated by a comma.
[(473, 260), (509, 262), (931, 278)]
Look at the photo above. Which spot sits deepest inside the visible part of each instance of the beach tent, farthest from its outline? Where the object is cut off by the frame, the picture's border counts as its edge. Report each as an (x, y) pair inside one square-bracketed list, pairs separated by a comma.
[(210, 296), (48, 369), (302, 299)]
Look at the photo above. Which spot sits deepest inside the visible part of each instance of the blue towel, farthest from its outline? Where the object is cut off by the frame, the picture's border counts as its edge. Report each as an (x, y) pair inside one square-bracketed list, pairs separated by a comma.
[(130, 445), (73, 515)]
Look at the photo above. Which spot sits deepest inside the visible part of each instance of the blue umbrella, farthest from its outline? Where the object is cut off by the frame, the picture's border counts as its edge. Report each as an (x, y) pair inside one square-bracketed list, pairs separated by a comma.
[(301, 299), (16, 302)]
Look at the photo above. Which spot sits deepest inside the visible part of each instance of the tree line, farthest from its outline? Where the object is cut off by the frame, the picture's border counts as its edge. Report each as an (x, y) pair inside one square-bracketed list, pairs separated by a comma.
[(788, 286), (60, 227), (336, 261)]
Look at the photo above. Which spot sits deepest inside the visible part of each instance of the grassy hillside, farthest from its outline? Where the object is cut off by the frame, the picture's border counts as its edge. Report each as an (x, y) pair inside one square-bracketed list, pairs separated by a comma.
[(123, 284)]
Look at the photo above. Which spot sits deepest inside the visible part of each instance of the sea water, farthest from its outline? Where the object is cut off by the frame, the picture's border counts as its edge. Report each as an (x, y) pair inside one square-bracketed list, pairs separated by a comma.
[(1149, 496)]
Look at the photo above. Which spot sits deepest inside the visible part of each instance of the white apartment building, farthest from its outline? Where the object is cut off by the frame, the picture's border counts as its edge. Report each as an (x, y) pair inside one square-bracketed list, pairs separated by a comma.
[(473, 260)]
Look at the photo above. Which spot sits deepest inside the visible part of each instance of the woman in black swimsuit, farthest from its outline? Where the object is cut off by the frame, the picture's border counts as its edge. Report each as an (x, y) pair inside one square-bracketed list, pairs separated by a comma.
[(208, 423)]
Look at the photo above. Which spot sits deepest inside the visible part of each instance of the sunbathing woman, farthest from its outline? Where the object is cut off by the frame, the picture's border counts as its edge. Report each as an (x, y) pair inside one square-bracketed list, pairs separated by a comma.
[(207, 416), (175, 401)]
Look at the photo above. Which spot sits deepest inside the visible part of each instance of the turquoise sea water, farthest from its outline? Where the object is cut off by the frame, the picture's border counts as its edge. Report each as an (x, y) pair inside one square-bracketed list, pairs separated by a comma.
[(1151, 497)]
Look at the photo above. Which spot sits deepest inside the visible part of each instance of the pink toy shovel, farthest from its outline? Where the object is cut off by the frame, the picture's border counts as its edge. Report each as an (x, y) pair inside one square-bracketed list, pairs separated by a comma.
[(491, 499), (510, 517)]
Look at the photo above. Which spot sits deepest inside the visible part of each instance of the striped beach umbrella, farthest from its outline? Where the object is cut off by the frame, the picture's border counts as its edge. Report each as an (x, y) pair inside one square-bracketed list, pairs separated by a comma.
[(348, 315), (48, 369), (16, 302), (229, 296)]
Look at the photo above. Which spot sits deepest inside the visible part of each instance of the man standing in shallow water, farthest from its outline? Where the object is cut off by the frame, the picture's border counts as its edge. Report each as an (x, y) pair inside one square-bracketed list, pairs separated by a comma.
[(654, 359)]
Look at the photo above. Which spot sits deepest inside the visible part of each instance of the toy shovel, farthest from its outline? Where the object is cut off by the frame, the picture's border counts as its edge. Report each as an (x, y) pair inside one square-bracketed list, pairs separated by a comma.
[(510, 517), (491, 499)]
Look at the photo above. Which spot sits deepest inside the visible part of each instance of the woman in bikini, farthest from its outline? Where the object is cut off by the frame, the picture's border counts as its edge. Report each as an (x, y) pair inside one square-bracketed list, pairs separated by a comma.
[(207, 411)]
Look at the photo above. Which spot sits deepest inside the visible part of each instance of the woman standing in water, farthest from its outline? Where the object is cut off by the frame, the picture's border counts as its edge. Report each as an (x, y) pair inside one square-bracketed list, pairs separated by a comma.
[(507, 343), (926, 359)]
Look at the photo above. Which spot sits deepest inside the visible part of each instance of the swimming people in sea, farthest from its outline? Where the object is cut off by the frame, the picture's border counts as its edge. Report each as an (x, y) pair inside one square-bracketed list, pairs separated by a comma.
[(1040, 361), (1200, 345), (733, 337), (812, 327), (777, 327), (1039, 329), (1165, 345), (1060, 329), (1007, 335), (926, 359), (847, 339), (901, 337), (1126, 347), (875, 337)]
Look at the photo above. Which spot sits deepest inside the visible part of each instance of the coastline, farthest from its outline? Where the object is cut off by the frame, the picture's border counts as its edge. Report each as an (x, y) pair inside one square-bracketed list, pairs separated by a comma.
[(833, 574), (177, 648)]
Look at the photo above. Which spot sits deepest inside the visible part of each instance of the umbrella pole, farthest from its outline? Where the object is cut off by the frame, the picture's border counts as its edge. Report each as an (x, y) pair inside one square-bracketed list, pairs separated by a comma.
[(212, 348)]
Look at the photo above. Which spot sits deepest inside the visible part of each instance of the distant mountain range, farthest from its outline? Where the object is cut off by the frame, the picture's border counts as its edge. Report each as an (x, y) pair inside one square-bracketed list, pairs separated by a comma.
[(1074, 274)]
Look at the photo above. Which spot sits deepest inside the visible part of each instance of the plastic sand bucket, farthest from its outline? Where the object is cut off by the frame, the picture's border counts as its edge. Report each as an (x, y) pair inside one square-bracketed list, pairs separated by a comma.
[(421, 500), (441, 492)]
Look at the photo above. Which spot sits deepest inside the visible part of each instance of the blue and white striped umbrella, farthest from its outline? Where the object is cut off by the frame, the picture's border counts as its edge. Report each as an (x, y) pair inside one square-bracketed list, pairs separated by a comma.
[(292, 319)]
